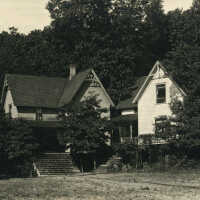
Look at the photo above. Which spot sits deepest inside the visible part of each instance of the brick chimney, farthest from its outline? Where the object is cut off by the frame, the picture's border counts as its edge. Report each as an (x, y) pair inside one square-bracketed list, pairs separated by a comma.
[(72, 71)]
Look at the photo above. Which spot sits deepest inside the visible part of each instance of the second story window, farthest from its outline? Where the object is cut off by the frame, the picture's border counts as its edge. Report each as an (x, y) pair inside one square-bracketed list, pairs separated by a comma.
[(161, 93), (39, 114)]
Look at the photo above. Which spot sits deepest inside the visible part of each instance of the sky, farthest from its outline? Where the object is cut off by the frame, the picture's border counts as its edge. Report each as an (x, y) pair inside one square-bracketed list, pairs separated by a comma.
[(27, 15)]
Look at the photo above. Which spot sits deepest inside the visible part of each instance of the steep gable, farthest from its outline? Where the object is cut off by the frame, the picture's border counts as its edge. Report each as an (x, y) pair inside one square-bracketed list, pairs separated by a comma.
[(154, 98), (157, 71)]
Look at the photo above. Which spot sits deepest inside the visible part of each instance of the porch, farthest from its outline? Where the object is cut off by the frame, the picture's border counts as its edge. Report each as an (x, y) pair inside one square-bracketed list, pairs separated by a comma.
[(127, 132)]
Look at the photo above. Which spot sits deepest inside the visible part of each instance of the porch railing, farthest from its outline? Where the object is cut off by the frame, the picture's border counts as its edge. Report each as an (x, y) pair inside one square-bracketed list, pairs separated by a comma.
[(144, 140)]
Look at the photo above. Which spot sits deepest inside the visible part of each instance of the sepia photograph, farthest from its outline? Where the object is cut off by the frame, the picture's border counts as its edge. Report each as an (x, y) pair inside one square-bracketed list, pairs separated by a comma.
[(100, 100)]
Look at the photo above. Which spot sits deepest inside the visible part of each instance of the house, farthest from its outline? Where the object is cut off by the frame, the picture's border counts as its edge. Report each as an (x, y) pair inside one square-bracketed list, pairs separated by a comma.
[(149, 104), (42, 99)]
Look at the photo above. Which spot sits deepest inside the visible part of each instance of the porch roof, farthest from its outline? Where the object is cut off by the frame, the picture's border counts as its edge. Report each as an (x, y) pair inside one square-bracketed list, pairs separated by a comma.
[(125, 118)]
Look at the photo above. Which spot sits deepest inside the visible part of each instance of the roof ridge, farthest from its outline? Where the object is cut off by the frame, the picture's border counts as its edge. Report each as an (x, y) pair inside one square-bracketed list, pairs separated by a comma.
[(39, 76)]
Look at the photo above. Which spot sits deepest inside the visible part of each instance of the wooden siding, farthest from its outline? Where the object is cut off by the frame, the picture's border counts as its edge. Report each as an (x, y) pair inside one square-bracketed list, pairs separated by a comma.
[(9, 101), (104, 102), (148, 109)]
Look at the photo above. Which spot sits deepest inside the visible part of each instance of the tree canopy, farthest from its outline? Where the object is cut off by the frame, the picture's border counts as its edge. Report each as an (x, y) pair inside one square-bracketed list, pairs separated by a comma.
[(120, 39), (116, 38)]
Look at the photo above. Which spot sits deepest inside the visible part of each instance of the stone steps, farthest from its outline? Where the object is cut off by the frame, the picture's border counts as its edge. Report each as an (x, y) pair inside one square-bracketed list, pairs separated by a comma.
[(54, 164)]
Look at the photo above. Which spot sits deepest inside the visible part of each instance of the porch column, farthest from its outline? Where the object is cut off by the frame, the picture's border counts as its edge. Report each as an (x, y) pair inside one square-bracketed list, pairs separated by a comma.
[(131, 131), (120, 131)]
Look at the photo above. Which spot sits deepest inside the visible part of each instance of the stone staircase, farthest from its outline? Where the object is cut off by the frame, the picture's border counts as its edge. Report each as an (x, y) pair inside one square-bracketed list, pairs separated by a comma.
[(53, 164)]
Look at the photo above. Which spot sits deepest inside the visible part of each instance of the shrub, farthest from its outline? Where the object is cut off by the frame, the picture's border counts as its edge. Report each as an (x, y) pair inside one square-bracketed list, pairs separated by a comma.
[(18, 147), (127, 151)]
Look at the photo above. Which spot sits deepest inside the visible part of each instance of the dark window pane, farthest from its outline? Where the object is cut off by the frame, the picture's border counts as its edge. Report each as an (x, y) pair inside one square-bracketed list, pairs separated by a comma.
[(161, 93)]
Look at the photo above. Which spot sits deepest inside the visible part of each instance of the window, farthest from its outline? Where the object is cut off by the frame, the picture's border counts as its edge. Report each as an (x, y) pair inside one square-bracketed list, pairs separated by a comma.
[(160, 93), (39, 114)]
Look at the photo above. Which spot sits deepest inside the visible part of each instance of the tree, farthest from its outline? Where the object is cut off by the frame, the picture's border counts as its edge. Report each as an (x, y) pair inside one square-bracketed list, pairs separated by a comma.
[(104, 34), (181, 23), (181, 130), (18, 147), (156, 30), (84, 130), (183, 63)]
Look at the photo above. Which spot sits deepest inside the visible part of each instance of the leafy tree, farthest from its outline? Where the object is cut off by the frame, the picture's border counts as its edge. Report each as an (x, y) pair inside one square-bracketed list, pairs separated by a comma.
[(156, 31), (181, 131), (181, 23), (102, 34), (110, 36), (84, 130), (183, 64), (18, 147)]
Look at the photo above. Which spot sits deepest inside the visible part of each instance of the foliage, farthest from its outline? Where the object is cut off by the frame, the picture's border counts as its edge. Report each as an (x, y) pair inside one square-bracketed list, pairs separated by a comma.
[(127, 151), (85, 131), (18, 147), (183, 63), (156, 30), (181, 131), (110, 36)]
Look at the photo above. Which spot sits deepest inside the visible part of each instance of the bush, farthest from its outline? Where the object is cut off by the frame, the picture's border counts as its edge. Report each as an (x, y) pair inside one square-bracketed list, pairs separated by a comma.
[(127, 151), (18, 147)]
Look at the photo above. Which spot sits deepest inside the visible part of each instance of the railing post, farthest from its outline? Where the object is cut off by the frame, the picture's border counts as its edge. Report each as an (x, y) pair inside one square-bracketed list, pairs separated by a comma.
[(36, 169)]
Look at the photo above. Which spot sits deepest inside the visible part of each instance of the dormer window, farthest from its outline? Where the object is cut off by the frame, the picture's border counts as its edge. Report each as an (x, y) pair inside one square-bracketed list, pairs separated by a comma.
[(39, 114), (160, 93)]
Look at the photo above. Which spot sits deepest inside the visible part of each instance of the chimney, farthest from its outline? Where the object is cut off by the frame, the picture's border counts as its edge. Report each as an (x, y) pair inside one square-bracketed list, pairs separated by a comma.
[(72, 71)]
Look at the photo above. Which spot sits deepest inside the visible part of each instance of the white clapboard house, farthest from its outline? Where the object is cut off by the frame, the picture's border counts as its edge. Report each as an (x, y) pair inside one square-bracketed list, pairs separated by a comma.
[(149, 104)]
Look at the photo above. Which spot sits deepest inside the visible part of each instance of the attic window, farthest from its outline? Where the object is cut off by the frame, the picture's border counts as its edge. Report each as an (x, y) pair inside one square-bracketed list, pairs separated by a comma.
[(39, 114), (160, 93)]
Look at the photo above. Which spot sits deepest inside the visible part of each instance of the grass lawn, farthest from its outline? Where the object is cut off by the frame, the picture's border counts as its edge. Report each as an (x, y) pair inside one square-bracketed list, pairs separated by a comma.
[(126, 186)]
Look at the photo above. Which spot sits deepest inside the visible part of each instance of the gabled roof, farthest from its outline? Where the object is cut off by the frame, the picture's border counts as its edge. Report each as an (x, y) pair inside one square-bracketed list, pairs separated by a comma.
[(71, 87), (140, 86), (149, 78), (44, 92), (35, 91)]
